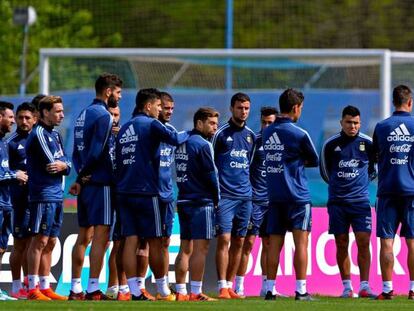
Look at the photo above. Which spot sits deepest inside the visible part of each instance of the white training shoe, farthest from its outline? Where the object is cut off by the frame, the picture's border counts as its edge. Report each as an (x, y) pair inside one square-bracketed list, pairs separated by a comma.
[(4, 296)]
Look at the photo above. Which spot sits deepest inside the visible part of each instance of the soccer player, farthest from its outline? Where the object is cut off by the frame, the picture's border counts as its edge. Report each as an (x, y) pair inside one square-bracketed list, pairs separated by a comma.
[(199, 194), (46, 165), (25, 120), (167, 206), (393, 143), (257, 224), (347, 164), (93, 164), (137, 186), (7, 176), (117, 283), (288, 150), (233, 146)]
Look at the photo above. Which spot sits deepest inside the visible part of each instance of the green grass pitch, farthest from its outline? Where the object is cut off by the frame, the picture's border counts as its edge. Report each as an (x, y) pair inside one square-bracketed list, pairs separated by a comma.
[(249, 304)]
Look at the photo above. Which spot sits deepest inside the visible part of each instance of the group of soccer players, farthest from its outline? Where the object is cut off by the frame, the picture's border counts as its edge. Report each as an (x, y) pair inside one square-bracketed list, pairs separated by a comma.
[(233, 184)]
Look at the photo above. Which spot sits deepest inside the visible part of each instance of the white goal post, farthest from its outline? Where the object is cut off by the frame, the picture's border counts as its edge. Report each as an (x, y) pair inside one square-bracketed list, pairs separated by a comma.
[(324, 58)]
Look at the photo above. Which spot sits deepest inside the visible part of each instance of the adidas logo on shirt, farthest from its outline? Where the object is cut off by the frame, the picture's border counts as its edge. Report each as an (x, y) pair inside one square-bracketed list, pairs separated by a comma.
[(400, 133), (337, 148), (20, 147), (229, 138), (81, 120), (181, 153), (129, 135), (273, 143)]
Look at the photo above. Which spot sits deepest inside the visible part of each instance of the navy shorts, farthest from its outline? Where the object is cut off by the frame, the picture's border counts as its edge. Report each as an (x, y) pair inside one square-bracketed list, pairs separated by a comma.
[(196, 221), (46, 218), (140, 216), (391, 211), (5, 226), (167, 210), (21, 219), (259, 212), (343, 215), (287, 216), (95, 206), (232, 216)]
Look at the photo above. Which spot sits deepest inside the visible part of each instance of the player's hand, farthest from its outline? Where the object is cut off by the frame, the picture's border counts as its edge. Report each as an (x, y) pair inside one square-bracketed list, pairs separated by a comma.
[(75, 188), (115, 130), (21, 177), (56, 167)]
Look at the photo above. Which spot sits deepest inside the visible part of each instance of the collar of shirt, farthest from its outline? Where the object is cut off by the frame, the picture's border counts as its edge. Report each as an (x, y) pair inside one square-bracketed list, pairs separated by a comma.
[(401, 113)]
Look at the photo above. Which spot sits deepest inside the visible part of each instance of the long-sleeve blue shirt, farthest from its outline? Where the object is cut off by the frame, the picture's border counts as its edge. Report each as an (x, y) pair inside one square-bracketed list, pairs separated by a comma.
[(197, 177), (44, 146), (288, 149), (91, 149), (258, 171), (166, 169), (233, 150), (17, 161), (347, 164), (137, 154), (6, 176), (393, 144)]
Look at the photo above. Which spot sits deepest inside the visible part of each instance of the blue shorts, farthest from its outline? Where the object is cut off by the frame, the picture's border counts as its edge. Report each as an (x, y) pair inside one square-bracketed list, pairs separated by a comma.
[(232, 216), (140, 216), (116, 228), (287, 216), (95, 206), (393, 211), (196, 221), (46, 218), (167, 210), (259, 212), (21, 221), (5, 226), (343, 215)]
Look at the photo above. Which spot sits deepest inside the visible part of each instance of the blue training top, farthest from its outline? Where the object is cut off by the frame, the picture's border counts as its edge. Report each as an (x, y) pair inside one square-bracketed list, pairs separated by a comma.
[(233, 150), (288, 150), (258, 171), (347, 164)]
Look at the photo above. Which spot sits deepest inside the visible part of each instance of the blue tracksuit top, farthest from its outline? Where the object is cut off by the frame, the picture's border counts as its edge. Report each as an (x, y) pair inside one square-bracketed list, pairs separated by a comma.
[(233, 150), (7, 176), (166, 169), (258, 171), (347, 164), (44, 146), (197, 177), (91, 148), (288, 150), (17, 161), (137, 154), (393, 144)]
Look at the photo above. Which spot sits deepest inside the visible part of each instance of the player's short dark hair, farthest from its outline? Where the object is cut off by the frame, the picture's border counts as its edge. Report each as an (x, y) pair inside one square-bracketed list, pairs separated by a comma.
[(350, 111), (268, 111), (5, 105), (204, 113), (47, 103), (166, 97), (289, 98), (26, 106), (107, 80), (239, 97), (145, 96), (400, 95), (36, 100)]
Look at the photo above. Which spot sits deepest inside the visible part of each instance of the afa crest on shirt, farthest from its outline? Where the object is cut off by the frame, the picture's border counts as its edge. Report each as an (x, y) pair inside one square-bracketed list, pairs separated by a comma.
[(249, 139), (362, 146)]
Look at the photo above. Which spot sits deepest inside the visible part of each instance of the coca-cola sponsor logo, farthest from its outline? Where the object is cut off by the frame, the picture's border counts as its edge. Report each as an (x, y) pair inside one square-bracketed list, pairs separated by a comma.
[(238, 153), (349, 163), (405, 148)]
